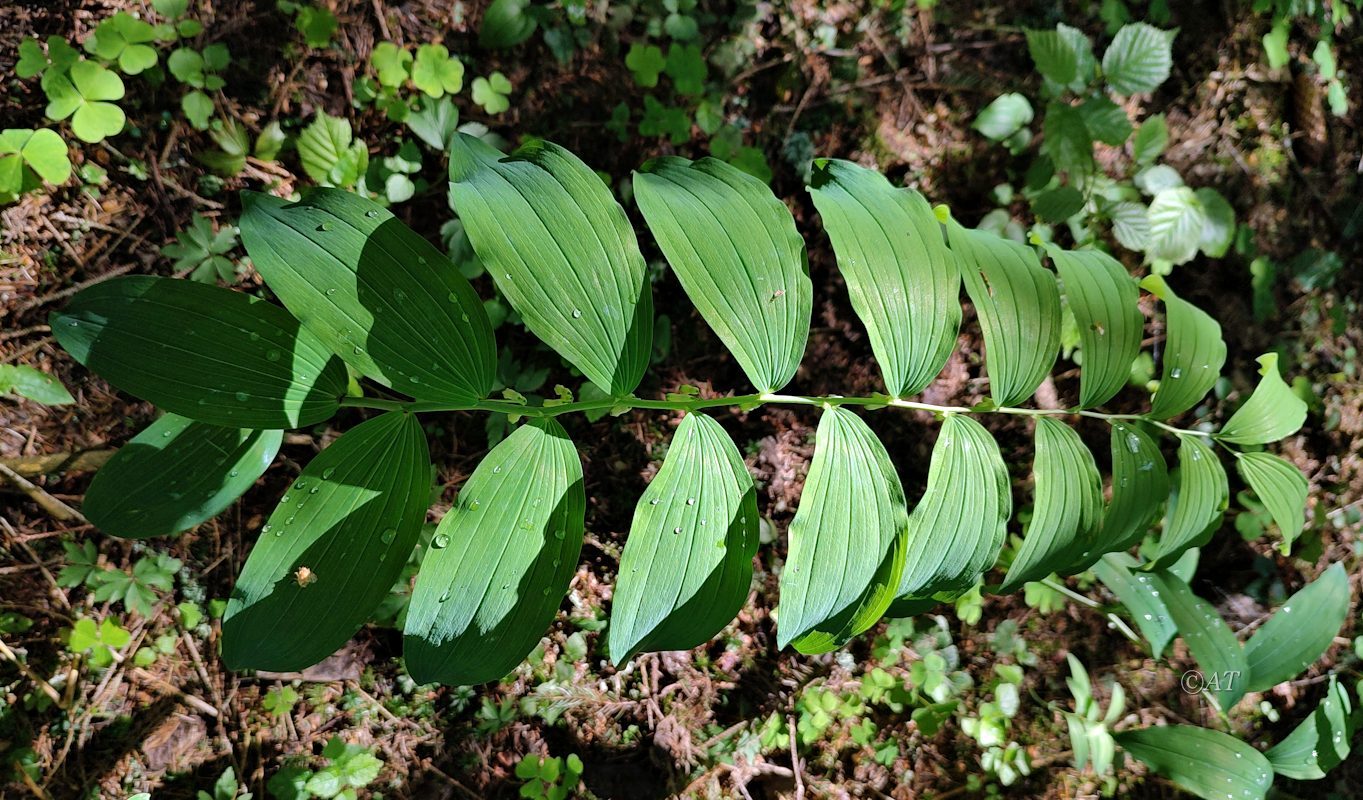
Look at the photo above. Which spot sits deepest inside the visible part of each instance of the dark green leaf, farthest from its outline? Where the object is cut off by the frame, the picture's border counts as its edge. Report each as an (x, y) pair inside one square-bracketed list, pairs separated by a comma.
[(1209, 639), (1299, 632), (1135, 590), (1105, 302), (1321, 742), (1140, 484), (506, 24), (1193, 352), (1202, 495), (1059, 204)]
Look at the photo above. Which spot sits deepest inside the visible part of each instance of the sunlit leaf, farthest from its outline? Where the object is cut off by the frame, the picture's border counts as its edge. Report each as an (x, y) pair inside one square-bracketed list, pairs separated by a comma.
[(1140, 484), (1299, 632), (1272, 413), (1202, 493), (1281, 488), (1104, 299), (1139, 58), (1210, 764), (1193, 352)]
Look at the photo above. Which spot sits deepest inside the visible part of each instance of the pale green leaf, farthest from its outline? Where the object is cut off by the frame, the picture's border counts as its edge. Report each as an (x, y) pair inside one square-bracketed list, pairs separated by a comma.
[(329, 152), (1193, 352), (33, 384), (1212, 643), (1321, 742), (1210, 764), (1130, 224), (1299, 632), (1139, 58), (903, 281), (1005, 116), (1105, 301), (847, 540), (1063, 56), (561, 250), (1202, 493), (1018, 304), (381, 297), (734, 247), (1280, 486), (1273, 412), (500, 561), (202, 352), (332, 549), (1137, 591), (176, 474), (1177, 220), (687, 564), (1218, 230)]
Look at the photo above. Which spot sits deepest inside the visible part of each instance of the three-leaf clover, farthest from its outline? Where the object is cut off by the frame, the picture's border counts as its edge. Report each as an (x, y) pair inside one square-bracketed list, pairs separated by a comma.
[(33, 61), (202, 252), (27, 156), (392, 63), (85, 95), (686, 67), (316, 24), (645, 61), (101, 641), (280, 700), (199, 68), (491, 93), (436, 72), (123, 38)]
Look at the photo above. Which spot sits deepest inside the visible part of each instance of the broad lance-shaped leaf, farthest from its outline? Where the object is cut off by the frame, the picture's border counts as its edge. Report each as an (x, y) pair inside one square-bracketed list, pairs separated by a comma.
[(1104, 300), (1202, 493), (1018, 304), (1272, 413), (1209, 639), (959, 524), (210, 354), (735, 249), (332, 549), (1193, 352), (562, 252), (381, 297), (1210, 764), (1140, 485), (1300, 632), (847, 540), (1067, 510), (1134, 589), (902, 279), (500, 562), (174, 475), (1321, 742), (687, 564), (1281, 488)]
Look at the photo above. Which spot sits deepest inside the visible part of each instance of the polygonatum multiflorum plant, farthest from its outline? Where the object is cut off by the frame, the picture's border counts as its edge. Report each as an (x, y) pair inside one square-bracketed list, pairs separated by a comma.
[(364, 297)]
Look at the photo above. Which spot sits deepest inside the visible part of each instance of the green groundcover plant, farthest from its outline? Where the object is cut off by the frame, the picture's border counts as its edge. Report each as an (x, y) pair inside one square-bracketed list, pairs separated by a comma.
[(363, 296)]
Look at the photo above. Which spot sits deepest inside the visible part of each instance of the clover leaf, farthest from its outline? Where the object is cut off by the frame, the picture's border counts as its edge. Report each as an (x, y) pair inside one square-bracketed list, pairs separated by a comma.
[(85, 95), (27, 156), (123, 38), (645, 61), (686, 67), (436, 72), (392, 63), (491, 93), (32, 61), (198, 68)]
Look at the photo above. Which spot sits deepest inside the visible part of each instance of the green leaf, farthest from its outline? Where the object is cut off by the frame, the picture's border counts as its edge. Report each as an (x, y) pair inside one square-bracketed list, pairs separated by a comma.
[(1135, 590), (202, 352), (492, 93), (34, 384), (1321, 742), (1300, 632), (1018, 304), (1139, 58), (646, 61), (330, 154), (1202, 493), (500, 562), (847, 541), (436, 72), (1210, 764), (1067, 140), (176, 474), (1063, 56), (687, 68), (391, 63), (1280, 486), (506, 24), (1193, 352), (1105, 120), (1218, 231), (561, 250), (198, 108), (41, 151), (1105, 302), (381, 297), (1177, 220), (959, 524), (435, 122), (1275, 44), (1058, 204), (1066, 510), (85, 95), (316, 24), (904, 287), (1209, 639), (736, 251), (1140, 484), (1151, 139), (1130, 224), (1005, 116), (1272, 413), (332, 549), (687, 564)]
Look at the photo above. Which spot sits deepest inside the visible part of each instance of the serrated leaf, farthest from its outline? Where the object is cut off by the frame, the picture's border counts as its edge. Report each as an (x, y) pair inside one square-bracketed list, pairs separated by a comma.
[(1135, 590), (1139, 58), (381, 297), (1281, 488), (902, 279), (1272, 413), (1193, 352), (329, 152), (1209, 639), (1058, 204), (1130, 224), (1151, 139), (1321, 742), (1018, 304), (176, 474), (1210, 764), (1105, 120), (1063, 56), (1105, 301), (1066, 510), (959, 524), (1140, 485), (561, 250), (847, 541), (1202, 493), (332, 548), (1177, 219), (1068, 141), (202, 352), (1218, 229), (1299, 632), (736, 251), (687, 564), (500, 561), (1004, 116)]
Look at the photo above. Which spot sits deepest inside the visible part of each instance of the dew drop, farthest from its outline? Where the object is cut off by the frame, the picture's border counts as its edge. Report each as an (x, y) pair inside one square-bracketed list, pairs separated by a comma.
[(273, 355), (652, 502), (474, 505), (445, 596), (328, 472), (577, 313), (388, 535), (371, 213), (242, 396), (325, 226), (1133, 443), (1177, 373), (497, 469), (331, 291), (440, 541), (676, 530), (234, 473), (690, 501)]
